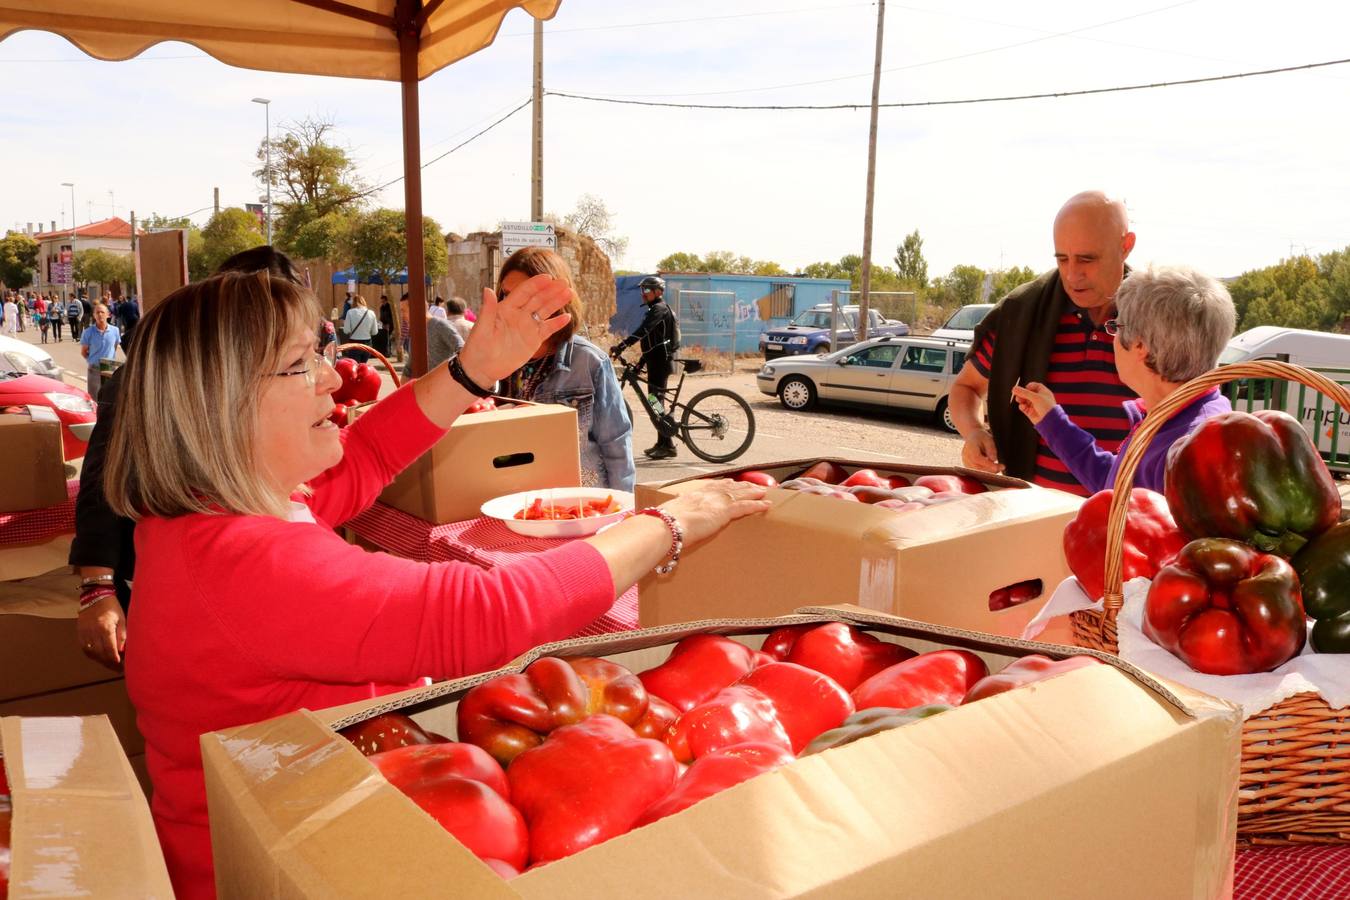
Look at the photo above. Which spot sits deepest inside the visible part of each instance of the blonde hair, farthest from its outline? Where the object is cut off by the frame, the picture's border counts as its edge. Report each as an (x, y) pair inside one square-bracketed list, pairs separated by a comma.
[(358, 300), (183, 438), (532, 261)]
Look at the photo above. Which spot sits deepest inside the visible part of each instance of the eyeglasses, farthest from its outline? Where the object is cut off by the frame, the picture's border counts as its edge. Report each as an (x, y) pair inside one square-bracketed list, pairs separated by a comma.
[(1112, 326), (313, 366)]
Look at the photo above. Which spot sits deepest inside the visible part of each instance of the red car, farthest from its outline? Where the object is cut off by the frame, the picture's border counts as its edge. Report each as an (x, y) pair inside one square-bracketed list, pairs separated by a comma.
[(72, 406)]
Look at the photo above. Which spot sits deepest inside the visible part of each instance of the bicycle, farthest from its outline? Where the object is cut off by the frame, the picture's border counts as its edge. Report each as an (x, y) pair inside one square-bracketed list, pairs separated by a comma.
[(710, 417)]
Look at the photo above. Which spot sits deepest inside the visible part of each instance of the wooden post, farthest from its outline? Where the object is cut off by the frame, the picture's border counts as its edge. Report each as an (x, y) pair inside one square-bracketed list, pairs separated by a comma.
[(864, 299), (409, 37)]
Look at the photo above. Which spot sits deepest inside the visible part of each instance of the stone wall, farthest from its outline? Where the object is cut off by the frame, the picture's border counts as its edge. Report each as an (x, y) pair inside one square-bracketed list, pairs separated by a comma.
[(476, 258)]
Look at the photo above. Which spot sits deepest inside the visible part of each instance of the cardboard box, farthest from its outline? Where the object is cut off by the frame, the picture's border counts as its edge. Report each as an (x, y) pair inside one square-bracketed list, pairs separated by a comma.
[(1101, 782), (35, 468), (39, 650), (938, 565), (81, 825), (486, 455)]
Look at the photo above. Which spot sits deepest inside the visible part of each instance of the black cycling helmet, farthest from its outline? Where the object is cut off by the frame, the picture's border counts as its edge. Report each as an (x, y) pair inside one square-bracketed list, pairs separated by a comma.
[(652, 282)]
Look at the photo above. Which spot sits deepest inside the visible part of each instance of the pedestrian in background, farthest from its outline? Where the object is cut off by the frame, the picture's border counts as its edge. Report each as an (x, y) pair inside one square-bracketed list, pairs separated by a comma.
[(98, 346), (455, 314), (74, 312), (11, 315), (129, 315), (360, 326), (40, 316), (56, 314)]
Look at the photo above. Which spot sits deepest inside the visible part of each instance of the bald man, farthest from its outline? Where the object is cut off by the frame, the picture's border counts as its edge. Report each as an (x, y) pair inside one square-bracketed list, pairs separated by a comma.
[(1051, 330)]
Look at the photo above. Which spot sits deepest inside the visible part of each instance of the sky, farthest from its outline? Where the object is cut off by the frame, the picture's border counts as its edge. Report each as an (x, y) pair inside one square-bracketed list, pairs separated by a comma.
[(1225, 176)]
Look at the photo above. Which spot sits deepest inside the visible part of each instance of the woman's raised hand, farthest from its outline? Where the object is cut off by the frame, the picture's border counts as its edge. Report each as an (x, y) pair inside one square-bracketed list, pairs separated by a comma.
[(508, 332)]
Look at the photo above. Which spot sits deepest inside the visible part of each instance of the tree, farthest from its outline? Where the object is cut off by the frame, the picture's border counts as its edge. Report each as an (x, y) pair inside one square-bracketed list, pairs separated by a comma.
[(910, 265), (377, 245), (103, 268), (323, 237), (312, 177), (721, 262), (959, 287), (593, 219), (18, 260), (1008, 279), (230, 231)]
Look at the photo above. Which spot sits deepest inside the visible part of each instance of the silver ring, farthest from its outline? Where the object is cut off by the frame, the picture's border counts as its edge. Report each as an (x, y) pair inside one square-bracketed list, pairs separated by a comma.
[(535, 316)]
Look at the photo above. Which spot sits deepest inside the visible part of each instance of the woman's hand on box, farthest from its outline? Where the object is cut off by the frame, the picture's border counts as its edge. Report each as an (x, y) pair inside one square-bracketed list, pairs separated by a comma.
[(712, 506), (102, 629)]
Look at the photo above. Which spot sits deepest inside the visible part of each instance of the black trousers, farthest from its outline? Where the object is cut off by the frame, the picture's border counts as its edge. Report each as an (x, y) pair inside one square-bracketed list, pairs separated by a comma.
[(658, 376)]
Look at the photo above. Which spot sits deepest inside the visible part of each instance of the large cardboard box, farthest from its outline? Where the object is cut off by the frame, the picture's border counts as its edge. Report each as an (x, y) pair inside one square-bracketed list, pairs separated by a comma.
[(1099, 783), (81, 825), (35, 469), (486, 455), (42, 670), (940, 564)]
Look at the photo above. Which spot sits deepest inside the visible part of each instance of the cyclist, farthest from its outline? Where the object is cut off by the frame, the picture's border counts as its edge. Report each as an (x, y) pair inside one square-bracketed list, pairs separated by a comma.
[(659, 337)]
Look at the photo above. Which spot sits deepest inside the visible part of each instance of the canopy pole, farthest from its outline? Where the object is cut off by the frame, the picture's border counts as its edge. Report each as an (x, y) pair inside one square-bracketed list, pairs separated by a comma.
[(409, 38)]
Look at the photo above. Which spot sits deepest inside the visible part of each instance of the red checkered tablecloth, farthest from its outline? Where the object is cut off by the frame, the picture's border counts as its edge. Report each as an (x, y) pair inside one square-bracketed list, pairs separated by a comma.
[(1319, 872), (33, 526), (483, 542)]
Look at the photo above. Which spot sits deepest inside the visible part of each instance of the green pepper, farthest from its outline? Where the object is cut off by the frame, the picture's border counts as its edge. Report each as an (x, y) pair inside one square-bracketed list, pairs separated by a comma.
[(1323, 568), (868, 722), (1251, 477)]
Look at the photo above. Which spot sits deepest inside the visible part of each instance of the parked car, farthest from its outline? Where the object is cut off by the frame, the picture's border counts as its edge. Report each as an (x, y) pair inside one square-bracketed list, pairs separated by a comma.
[(1326, 423), (23, 358), (810, 331), (72, 406), (892, 372), (961, 326)]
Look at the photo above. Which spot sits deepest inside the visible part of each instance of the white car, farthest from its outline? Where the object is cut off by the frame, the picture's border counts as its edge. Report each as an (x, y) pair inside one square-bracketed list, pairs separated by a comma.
[(913, 373), (23, 358), (961, 326)]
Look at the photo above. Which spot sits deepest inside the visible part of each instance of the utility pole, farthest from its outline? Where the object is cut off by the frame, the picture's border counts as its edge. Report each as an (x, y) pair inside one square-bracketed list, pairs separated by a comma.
[(864, 300), (537, 148), (216, 203)]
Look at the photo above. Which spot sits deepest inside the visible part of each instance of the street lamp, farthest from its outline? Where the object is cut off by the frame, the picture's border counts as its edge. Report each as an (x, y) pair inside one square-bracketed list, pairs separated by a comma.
[(267, 166), (71, 185)]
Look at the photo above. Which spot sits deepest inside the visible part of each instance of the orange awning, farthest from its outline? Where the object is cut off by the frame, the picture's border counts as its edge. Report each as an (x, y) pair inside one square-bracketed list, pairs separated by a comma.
[(349, 38)]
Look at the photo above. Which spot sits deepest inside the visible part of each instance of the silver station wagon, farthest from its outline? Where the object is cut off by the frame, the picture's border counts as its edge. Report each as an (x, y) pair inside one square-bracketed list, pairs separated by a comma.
[(913, 373)]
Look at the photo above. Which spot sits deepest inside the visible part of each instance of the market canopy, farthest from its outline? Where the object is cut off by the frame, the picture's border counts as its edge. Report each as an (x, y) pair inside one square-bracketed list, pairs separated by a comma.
[(392, 40), (348, 38), (348, 275)]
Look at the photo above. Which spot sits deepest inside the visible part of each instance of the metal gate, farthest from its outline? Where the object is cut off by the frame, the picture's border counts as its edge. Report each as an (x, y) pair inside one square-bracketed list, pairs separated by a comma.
[(708, 327)]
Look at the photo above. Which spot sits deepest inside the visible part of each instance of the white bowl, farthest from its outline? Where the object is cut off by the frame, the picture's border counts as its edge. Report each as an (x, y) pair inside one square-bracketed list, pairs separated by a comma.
[(505, 509)]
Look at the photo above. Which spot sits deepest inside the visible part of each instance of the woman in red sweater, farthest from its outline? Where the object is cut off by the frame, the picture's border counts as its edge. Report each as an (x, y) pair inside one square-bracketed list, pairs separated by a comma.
[(248, 605)]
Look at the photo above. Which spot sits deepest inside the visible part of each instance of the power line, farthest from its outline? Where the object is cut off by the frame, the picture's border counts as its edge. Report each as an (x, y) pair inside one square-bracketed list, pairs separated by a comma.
[(461, 144), (965, 101), (930, 62)]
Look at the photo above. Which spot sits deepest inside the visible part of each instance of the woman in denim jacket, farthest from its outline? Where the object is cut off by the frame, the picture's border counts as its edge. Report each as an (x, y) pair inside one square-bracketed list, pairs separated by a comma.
[(570, 370)]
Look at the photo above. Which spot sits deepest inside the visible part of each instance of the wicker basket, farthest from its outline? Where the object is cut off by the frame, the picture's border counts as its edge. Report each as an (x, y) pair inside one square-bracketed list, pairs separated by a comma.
[(375, 353), (1295, 773)]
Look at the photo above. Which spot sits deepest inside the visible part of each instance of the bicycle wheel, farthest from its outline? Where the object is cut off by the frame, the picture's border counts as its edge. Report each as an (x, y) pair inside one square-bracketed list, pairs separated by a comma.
[(717, 425)]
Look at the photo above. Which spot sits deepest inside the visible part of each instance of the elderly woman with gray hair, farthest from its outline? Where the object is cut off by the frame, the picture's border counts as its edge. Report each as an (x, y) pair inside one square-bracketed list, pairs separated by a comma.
[(1171, 324)]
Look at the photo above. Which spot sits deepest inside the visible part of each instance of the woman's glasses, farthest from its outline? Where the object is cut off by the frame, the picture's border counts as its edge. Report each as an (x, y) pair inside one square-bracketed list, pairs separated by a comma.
[(1112, 327), (313, 365)]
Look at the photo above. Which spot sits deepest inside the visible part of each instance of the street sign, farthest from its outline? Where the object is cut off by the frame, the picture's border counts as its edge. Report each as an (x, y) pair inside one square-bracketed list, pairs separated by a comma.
[(519, 235)]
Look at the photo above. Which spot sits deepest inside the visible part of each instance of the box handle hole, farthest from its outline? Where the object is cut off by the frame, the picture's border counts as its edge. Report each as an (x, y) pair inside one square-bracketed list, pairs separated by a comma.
[(1015, 594), (511, 460)]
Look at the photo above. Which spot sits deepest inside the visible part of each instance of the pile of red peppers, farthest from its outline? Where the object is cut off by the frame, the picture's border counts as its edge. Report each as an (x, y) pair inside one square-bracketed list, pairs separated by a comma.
[(572, 752), (1243, 548)]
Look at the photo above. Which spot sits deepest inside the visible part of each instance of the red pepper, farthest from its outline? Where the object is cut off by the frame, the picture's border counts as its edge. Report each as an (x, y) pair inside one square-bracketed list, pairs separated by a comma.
[(959, 484), (6, 816), (657, 721), (588, 783), (839, 650), (388, 731), (716, 772), (867, 722), (779, 703), (865, 477), (408, 768), (826, 471), (1024, 671), (479, 817), (511, 713), (1225, 608), (942, 676), (698, 667), (1152, 538), (754, 476)]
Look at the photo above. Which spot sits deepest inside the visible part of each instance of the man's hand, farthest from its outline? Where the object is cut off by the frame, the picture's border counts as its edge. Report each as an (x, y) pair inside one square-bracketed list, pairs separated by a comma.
[(979, 452), (1034, 400)]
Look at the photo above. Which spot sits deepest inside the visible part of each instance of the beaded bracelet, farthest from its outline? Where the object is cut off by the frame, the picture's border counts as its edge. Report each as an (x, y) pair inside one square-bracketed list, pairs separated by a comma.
[(91, 580), (91, 595), (676, 537)]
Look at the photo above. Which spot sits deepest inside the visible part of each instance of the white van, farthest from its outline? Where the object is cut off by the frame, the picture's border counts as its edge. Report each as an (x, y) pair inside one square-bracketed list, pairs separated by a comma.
[(1327, 423)]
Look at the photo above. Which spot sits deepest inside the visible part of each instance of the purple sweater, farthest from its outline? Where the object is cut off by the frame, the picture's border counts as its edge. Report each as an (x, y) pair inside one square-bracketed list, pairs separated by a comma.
[(1096, 469)]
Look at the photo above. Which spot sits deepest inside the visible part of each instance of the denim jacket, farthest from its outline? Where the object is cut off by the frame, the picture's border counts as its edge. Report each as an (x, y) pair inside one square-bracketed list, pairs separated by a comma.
[(583, 379)]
